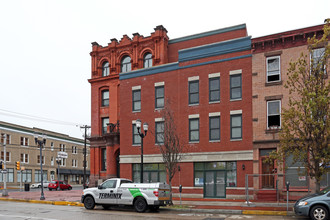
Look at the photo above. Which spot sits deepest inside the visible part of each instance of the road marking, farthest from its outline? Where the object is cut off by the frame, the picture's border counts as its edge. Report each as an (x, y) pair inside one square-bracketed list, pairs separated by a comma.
[(26, 217)]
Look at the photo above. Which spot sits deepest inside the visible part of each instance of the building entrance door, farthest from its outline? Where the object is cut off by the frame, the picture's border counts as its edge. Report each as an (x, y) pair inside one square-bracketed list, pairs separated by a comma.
[(215, 184), (268, 181)]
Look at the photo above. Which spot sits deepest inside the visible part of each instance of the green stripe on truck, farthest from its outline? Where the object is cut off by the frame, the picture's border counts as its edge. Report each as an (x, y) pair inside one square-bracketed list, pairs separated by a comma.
[(135, 192)]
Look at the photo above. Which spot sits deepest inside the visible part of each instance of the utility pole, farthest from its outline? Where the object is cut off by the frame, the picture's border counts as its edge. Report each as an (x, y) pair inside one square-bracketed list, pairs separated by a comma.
[(85, 153), (4, 191)]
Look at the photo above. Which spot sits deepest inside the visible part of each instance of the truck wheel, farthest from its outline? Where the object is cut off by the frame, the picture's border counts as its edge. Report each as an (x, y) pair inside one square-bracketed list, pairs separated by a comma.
[(140, 205), (89, 202), (319, 213)]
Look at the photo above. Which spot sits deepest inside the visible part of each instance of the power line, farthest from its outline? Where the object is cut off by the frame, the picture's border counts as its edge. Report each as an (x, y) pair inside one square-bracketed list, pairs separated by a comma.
[(36, 118)]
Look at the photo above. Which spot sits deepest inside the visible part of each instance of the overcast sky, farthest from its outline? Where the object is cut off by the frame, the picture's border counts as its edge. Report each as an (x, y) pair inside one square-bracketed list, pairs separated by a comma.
[(45, 45)]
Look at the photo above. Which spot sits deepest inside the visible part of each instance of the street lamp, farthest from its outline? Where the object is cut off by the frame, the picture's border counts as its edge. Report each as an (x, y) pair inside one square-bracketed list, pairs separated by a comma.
[(41, 144), (142, 135)]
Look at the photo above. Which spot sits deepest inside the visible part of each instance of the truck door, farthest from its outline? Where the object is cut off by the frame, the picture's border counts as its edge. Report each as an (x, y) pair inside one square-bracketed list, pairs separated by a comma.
[(107, 193)]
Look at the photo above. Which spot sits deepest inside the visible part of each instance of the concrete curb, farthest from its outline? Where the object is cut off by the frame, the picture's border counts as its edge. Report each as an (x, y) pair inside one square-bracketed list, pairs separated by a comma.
[(65, 203), (189, 210)]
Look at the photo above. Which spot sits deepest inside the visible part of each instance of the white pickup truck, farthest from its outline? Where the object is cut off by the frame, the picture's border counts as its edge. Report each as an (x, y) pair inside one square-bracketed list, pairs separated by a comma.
[(119, 191)]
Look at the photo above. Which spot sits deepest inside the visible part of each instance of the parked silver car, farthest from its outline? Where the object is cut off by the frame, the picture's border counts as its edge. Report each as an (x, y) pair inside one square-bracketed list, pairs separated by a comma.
[(38, 185), (316, 206)]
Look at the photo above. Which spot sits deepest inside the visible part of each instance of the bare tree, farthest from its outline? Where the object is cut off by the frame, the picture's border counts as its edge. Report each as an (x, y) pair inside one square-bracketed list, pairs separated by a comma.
[(171, 148)]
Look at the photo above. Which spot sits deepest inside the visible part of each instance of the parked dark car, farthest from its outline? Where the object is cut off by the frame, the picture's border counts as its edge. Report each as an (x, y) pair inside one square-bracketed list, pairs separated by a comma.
[(316, 206), (58, 185)]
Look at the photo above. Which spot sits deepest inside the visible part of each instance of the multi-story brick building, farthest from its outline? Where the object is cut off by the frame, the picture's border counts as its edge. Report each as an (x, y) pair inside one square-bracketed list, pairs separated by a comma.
[(21, 146), (270, 62), (206, 77)]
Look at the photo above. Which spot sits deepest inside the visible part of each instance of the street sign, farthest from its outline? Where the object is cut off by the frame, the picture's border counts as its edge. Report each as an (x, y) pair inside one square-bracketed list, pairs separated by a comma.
[(62, 154), (4, 171)]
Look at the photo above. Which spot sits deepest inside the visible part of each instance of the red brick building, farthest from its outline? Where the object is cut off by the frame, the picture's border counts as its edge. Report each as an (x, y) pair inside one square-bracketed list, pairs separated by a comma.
[(270, 62), (207, 78)]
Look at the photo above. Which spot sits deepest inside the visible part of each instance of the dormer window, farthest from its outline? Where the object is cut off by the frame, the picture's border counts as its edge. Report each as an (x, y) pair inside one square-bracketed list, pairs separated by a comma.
[(147, 60), (126, 64)]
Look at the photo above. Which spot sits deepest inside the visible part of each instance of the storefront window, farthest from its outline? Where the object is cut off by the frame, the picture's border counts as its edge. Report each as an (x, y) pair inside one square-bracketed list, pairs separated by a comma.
[(151, 173)]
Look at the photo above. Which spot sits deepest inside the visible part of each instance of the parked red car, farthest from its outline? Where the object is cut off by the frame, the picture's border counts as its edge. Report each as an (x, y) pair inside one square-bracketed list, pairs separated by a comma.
[(58, 184)]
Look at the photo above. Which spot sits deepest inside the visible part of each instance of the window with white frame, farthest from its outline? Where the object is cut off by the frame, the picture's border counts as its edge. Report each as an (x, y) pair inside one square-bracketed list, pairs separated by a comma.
[(52, 146), (38, 159), (7, 156), (24, 158), (74, 163), (52, 161), (236, 125), (62, 147), (7, 138), (105, 69), (273, 69), (63, 162), (74, 149), (316, 59), (24, 141), (274, 114)]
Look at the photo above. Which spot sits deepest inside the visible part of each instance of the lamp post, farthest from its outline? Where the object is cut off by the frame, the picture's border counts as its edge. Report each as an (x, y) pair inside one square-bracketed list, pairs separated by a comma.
[(58, 161), (41, 143), (142, 135)]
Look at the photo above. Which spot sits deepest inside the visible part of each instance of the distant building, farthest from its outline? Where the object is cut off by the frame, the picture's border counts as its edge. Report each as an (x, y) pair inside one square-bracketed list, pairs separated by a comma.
[(20, 146)]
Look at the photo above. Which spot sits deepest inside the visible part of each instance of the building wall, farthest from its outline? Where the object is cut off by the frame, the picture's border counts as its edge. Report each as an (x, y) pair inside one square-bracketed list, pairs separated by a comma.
[(68, 173)]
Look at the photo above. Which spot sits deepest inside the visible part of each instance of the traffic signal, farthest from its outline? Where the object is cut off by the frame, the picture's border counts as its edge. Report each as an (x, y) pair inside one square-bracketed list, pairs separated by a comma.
[(18, 166), (0, 165)]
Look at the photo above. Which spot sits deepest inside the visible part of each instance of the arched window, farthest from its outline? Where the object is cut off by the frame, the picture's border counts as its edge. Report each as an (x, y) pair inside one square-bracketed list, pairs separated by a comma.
[(105, 69), (126, 64), (147, 60)]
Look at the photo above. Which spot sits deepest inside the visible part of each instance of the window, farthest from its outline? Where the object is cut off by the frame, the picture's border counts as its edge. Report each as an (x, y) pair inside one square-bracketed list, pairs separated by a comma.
[(74, 163), (52, 161), (105, 98), (236, 86), (37, 176), (105, 69), (105, 122), (103, 159), (202, 169), (214, 133), (38, 159), (62, 147), (3, 139), (147, 60), (7, 156), (52, 146), (159, 97), (274, 114), (316, 56), (10, 176), (24, 158), (194, 92), (136, 136), (63, 162), (136, 96), (152, 173), (214, 89), (236, 126), (193, 129), (126, 64), (24, 141), (74, 149), (159, 132), (273, 69), (295, 172), (26, 176)]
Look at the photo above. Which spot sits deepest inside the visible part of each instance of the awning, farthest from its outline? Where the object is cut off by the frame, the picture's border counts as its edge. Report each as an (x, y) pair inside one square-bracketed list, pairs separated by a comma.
[(73, 172)]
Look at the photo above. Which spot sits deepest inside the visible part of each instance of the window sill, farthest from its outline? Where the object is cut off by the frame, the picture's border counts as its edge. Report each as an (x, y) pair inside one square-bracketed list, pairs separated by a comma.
[(193, 142), (273, 130), (214, 141), (136, 145), (159, 109), (236, 139), (233, 100), (159, 144), (136, 111), (196, 104), (214, 102), (275, 83)]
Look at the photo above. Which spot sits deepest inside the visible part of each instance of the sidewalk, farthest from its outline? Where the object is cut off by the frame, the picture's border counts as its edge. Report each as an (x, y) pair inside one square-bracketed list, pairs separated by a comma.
[(223, 206)]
